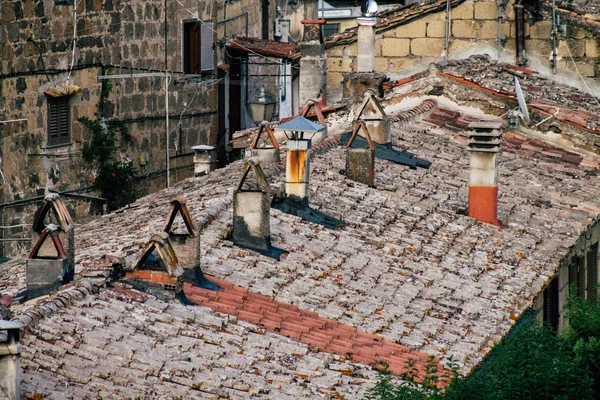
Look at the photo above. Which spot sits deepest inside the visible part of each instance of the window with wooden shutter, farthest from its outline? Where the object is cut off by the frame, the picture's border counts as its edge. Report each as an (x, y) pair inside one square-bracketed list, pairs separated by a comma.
[(59, 120), (191, 45), (581, 277), (551, 314), (592, 273), (198, 51), (573, 274)]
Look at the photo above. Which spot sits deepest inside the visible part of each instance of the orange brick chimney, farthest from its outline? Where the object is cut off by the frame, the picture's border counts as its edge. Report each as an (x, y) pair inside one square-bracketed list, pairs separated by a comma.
[(484, 145)]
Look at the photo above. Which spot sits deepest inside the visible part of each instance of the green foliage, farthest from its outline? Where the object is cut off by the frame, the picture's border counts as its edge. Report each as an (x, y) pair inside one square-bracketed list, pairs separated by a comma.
[(533, 362), (113, 178)]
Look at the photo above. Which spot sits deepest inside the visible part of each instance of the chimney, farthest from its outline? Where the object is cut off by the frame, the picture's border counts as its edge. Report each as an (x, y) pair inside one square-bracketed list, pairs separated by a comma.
[(484, 145), (269, 154), (313, 109), (61, 217), (312, 62), (48, 271), (372, 113), (360, 160), (365, 58), (183, 238), (205, 159), (297, 163), (251, 210), (157, 271), (10, 355)]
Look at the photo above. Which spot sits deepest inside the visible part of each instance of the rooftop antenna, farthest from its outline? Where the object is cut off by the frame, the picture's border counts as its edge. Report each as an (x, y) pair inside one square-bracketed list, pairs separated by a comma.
[(522, 111)]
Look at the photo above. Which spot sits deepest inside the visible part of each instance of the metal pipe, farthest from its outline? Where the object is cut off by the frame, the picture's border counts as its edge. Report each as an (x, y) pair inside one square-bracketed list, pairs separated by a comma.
[(499, 30), (167, 96), (554, 38), (447, 28), (520, 32)]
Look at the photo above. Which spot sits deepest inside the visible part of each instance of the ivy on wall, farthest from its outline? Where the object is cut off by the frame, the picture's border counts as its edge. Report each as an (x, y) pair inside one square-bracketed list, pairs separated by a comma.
[(113, 177)]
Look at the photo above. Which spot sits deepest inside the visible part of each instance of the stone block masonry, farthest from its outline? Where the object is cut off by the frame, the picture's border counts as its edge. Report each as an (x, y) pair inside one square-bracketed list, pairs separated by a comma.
[(474, 24), (131, 35)]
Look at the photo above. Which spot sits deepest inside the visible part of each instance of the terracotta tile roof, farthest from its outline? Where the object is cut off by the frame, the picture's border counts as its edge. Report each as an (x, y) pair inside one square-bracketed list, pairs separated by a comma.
[(308, 327), (544, 96), (121, 343), (407, 266), (267, 48)]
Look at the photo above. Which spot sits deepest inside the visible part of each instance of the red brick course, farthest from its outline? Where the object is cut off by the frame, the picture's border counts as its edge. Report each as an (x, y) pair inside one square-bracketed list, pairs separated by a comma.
[(307, 327)]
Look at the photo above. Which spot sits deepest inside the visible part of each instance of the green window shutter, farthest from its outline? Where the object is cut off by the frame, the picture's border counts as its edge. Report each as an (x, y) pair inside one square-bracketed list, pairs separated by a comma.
[(581, 277)]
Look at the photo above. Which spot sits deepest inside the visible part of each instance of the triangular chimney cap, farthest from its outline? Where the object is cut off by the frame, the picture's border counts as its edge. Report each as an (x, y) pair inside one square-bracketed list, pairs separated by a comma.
[(179, 205), (52, 231), (360, 125), (312, 105), (370, 98), (261, 179), (265, 128), (160, 242), (54, 202)]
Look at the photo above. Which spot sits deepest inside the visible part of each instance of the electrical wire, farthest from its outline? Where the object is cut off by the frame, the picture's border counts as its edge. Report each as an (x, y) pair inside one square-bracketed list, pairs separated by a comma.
[(581, 76)]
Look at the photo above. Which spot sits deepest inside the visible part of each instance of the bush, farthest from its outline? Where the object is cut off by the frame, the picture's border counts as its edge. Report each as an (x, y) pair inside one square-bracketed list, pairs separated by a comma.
[(533, 362)]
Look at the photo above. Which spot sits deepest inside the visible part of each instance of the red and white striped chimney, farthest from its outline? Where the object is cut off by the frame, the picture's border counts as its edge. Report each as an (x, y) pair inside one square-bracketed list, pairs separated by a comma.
[(484, 145)]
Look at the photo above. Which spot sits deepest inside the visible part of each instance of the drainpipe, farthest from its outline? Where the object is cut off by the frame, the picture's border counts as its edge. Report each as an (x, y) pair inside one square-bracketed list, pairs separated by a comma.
[(499, 29), (447, 28), (520, 32), (554, 38)]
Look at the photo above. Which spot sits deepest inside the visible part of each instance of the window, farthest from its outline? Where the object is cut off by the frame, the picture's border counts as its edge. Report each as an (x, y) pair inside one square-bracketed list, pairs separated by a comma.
[(330, 29), (59, 120), (592, 273), (198, 54), (64, 2), (551, 315)]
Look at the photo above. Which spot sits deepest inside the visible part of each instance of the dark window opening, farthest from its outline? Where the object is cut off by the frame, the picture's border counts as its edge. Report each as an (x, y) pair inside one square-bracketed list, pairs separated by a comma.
[(64, 2), (198, 54), (551, 312), (59, 121), (330, 30), (592, 274)]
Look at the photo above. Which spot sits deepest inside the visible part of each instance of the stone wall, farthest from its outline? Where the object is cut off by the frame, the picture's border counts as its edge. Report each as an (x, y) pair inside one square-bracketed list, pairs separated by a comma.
[(113, 37), (473, 29)]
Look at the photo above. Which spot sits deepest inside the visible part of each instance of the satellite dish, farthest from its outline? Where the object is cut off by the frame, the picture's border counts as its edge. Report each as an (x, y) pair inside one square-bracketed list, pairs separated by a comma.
[(521, 101)]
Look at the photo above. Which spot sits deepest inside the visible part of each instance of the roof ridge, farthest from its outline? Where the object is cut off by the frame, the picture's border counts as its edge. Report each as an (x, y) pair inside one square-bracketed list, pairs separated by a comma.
[(59, 300)]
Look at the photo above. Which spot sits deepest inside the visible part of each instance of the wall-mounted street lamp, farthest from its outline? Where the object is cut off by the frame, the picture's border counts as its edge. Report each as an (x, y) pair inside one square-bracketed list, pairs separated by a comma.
[(262, 106)]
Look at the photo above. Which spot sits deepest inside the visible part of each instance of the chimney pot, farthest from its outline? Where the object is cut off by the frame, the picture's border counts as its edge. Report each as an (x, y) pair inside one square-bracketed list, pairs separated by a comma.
[(484, 145)]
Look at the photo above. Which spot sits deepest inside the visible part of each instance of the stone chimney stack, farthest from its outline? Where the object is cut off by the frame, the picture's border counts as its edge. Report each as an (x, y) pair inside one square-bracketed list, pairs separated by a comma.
[(46, 273), (365, 58), (251, 210), (268, 154), (312, 63), (10, 355), (360, 161), (484, 145)]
